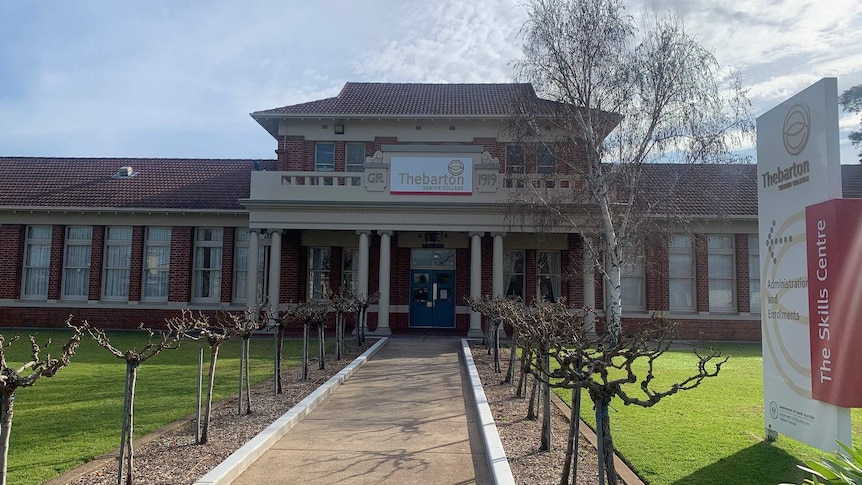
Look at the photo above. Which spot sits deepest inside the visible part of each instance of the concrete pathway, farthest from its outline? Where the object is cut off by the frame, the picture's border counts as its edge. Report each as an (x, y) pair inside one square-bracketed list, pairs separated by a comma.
[(404, 418)]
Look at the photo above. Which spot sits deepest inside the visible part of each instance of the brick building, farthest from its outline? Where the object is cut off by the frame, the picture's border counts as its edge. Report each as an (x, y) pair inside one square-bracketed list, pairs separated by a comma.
[(396, 189)]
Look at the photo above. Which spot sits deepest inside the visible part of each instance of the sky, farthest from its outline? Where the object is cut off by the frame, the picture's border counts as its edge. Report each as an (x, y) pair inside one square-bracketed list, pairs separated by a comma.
[(178, 78)]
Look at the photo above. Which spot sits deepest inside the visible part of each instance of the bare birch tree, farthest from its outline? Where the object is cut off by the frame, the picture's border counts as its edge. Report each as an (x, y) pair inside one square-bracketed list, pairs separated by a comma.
[(26, 375), (157, 342), (614, 96)]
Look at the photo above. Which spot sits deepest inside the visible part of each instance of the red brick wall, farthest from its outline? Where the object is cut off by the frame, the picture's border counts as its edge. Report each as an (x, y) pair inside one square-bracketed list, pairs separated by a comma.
[(227, 264), (11, 260), (708, 329), (136, 264), (573, 271), (293, 157), (179, 282), (399, 283), (657, 280), (701, 272), (743, 297), (55, 270), (292, 270), (97, 248)]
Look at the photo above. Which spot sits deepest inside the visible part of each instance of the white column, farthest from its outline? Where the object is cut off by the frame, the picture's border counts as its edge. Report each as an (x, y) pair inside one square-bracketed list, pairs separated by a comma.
[(475, 282), (251, 270), (589, 284), (497, 286), (362, 276), (274, 268), (385, 265)]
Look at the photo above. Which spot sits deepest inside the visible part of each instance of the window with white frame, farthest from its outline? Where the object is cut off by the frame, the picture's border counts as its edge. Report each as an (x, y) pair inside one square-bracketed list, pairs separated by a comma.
[(354, 157), (548, 271), (240, 265), (349, 268), (754, 272), (319, 264), (206, 277), (324, 157), (37, 257), (118, 258), (513, 274), (721, 273), (632, 279), (157, 263), (76, 263), (546, 160), (681, 273)]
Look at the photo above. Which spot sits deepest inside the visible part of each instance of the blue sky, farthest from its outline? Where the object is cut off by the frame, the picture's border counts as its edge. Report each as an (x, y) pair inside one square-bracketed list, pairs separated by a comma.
[(177, 78)]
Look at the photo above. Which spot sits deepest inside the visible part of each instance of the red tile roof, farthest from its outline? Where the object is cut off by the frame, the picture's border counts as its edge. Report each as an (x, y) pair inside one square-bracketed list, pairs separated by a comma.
[(413, 99), (159, 183)]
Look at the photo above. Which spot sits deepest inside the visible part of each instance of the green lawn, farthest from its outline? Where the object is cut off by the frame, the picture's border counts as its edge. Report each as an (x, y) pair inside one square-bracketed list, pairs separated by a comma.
[(709, 435), (75, 416)]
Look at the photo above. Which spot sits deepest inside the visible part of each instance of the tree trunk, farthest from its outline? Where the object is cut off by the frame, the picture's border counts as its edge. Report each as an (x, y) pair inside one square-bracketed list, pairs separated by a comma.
[(513, 357), (210, 386), (546, 407), (241, 370), (247, 344), (497, 347), (570, 466), (279, 346), (321, 345), (125, 425), (606, 444), (130, 426), (7, 401), (339, 320), (526, 356), (531, 410), (304, 373)]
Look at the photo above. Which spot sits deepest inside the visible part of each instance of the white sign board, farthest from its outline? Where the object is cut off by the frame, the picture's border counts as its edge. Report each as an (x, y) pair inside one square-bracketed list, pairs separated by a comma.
[(431, 175), (797, 165)]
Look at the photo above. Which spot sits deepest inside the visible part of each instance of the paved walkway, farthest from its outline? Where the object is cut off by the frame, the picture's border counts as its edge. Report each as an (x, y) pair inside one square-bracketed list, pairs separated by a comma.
[(402, 419)]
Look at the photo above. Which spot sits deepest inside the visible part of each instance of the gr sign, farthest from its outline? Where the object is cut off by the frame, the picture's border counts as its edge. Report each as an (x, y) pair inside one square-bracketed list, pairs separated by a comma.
[(375, 179)]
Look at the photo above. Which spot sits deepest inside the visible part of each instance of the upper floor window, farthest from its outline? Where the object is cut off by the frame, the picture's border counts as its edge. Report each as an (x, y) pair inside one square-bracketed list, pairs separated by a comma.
[(681, 273), (206, 280), (76, 264), (721, 273), (513, 274), (319, 264), (548, 271), (546, 160), (118, 257), (37, 257), (354, 157), (754, 272), (324, 157), (516, 160), (157, 263)]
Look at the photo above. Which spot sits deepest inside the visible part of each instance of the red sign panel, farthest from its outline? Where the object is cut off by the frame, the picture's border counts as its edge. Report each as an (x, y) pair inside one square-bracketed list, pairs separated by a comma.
[(834, 245)]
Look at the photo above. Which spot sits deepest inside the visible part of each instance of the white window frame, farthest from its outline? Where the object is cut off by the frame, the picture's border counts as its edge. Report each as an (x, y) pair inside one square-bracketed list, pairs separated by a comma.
[(714, 251), (77, 269), (318, 277), (36, 245), (161, 272), (351, 147), (754, 287), (549, 275), (633, 270), (510, 272), (111, 268), (682, 246), (349, 275), (207, 263)]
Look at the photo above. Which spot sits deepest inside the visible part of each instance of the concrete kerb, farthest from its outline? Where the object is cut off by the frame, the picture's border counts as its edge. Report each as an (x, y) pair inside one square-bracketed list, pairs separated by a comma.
[(498, 464), (241, 459)]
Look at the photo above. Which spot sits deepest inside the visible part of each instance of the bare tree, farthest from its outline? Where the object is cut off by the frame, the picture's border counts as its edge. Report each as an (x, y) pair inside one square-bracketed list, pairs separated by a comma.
[(312, 312), (11, 379), (169, 338), (612, 97), (343, 304), (606, 366)]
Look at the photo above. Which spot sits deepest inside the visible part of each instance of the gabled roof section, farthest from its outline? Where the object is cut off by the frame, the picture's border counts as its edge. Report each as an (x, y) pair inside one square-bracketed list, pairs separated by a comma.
[(412, 99), (156, 184)]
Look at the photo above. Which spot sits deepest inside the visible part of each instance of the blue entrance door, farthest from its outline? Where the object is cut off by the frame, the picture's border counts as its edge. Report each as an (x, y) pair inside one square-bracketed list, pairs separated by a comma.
[(432, 298)]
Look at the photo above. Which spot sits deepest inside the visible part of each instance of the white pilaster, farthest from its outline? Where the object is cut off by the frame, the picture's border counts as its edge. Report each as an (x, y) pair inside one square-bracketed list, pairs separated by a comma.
[(385, 265), (251, 270), (362, 276), (497, 281), (475, 282)]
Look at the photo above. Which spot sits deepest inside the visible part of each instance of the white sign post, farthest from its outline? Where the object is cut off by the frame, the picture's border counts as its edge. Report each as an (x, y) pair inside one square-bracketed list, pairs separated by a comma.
[(798, 165)]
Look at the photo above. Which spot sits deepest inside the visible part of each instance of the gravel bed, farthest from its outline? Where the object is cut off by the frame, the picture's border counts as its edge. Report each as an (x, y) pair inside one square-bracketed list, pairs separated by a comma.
[(520, 436), (173, 458)]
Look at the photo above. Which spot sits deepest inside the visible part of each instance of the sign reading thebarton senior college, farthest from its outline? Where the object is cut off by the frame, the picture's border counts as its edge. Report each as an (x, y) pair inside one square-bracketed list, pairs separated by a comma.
[(797, 165), (431, 175)]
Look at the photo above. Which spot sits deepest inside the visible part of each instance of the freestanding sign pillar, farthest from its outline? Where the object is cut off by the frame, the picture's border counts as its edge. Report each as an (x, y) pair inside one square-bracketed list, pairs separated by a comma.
[(797, 165)]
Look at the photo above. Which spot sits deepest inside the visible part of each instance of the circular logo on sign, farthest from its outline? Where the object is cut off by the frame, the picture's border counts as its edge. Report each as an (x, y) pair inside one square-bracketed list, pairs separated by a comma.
[(797, 126), (456, 167), (773, 410)]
